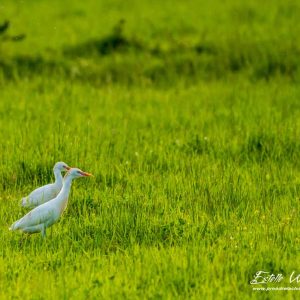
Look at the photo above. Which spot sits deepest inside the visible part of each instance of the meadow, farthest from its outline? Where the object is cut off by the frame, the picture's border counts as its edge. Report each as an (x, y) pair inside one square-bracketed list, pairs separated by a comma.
[(188, 115)]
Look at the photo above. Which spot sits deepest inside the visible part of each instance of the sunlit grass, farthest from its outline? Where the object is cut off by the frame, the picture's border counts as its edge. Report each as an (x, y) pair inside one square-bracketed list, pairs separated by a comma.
[(192, 188)]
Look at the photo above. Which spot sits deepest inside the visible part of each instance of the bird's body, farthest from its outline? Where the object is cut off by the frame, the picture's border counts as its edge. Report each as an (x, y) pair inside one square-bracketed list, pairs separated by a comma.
[(47, 192), (45, 215)]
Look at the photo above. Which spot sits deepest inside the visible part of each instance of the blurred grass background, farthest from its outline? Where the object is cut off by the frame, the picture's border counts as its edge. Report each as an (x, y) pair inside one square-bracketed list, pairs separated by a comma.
[(110, 41)]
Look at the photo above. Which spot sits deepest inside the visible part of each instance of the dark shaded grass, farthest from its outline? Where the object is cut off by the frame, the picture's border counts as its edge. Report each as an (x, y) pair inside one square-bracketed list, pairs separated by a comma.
[(117, 58)]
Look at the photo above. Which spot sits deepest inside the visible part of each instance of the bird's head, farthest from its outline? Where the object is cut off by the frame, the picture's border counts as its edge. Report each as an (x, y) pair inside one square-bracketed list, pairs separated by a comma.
[(76, 173), (61, 166)]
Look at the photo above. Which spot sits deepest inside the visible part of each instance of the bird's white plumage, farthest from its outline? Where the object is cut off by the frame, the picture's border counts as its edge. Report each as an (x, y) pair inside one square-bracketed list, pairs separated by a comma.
[(48, 213), (47, 192), (40, 217)]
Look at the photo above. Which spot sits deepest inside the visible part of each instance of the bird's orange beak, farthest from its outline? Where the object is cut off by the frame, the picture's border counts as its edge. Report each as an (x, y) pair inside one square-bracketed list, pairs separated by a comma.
[(86, 174)]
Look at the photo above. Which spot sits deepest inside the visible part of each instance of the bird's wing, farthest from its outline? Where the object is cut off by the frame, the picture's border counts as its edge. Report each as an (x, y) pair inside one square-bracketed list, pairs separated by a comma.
[(43, 191), (38, 215), (41, 195)]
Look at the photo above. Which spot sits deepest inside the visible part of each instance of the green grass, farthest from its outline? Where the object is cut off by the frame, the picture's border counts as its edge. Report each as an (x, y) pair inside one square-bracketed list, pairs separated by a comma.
[(195, 156)]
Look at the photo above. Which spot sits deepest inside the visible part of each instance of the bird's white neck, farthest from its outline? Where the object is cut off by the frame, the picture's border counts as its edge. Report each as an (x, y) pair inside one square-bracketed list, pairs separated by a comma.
[(67, 185), (58, 178), (62, 197)]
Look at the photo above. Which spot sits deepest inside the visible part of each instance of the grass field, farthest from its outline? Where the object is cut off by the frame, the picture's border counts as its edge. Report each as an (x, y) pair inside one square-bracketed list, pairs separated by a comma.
[(188, 115)]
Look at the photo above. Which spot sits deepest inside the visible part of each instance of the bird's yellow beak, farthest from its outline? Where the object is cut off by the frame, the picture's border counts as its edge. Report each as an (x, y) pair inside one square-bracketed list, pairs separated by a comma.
[(86, 174), (67, 168)]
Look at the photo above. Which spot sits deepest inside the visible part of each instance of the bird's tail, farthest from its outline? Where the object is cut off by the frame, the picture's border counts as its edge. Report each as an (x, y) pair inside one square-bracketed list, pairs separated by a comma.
[(24, 202), (13, 226)]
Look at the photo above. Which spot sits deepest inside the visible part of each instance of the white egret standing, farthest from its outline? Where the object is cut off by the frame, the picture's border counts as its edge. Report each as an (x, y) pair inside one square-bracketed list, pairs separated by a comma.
[(45, 215), (47, 192)]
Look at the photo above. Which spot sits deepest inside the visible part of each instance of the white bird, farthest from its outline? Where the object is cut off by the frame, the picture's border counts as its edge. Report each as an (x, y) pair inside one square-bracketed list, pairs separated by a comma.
[(45, 215), (47, 192)]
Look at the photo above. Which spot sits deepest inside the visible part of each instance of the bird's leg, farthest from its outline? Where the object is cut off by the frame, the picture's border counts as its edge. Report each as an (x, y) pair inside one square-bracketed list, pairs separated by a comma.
[(24, 238), (43, 231)]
